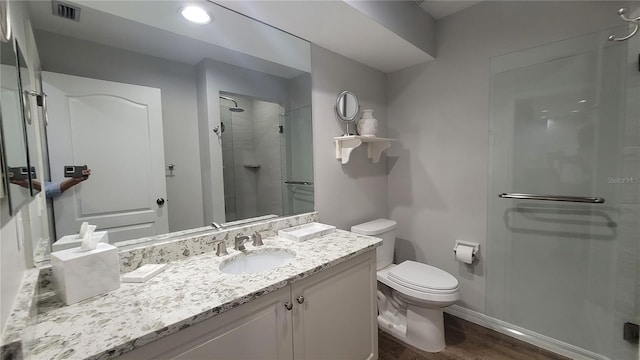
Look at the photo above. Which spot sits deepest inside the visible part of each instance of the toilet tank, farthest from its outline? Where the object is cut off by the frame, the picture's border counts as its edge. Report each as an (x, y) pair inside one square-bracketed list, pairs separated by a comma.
[(382, 228)]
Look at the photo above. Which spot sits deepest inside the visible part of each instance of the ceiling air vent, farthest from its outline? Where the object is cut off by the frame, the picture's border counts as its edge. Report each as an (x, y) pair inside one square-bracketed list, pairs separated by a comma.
[(66, 11)]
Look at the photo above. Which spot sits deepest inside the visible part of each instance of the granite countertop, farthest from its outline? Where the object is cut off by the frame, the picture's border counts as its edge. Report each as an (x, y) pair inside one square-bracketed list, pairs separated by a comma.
[(189, 291)]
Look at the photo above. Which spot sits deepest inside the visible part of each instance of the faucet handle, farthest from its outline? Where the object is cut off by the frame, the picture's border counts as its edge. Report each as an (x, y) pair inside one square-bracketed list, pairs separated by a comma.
[(257, 239), (221, 248)]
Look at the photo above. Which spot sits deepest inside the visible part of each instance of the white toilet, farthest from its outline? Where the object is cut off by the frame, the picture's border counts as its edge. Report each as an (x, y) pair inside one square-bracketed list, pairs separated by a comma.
[(411, 295)]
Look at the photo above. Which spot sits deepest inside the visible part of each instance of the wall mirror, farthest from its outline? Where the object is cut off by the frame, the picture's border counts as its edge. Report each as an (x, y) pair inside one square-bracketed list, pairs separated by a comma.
[(29, 111), (347, 108), (15, 161), (180, 125)]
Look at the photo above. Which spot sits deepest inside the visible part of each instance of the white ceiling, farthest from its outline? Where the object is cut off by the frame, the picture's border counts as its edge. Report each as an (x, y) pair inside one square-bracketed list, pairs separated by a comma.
[(336, 26), (441, 8), (155, 28)]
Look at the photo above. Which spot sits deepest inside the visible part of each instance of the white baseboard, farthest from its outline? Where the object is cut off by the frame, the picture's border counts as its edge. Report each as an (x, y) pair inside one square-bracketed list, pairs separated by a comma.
[(525, 335)]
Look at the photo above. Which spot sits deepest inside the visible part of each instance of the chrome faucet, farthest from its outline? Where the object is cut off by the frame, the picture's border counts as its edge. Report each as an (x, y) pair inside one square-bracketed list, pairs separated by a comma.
[(256, 239), (240, 240)]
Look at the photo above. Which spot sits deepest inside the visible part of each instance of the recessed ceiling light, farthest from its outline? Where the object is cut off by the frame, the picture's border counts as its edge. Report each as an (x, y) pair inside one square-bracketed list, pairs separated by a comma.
[(545, 111), (582, 101), (575, 111), (195, 15)]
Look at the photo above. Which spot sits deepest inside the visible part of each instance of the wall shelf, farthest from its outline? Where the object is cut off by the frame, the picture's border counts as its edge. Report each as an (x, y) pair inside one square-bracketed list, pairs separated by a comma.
[(375, 146)]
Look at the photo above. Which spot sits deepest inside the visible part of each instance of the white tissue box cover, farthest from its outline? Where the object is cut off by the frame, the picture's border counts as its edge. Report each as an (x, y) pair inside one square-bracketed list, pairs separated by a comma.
[(79, 275), (72, 241)]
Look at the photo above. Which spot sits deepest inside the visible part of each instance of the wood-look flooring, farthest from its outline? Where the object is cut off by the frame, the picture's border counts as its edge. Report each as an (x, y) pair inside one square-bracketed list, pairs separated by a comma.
[(466, 341)]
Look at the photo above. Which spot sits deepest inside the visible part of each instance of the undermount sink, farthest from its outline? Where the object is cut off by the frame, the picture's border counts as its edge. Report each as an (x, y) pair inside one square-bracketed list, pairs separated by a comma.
[(257, 261)]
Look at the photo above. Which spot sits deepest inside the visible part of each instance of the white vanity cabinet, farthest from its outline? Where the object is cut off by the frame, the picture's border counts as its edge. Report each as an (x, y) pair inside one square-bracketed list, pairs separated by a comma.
[(334, 315), (329, 315)]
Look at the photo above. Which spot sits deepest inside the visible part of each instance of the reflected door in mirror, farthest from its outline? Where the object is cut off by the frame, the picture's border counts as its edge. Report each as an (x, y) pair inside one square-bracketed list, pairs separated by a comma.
[(115, 129)]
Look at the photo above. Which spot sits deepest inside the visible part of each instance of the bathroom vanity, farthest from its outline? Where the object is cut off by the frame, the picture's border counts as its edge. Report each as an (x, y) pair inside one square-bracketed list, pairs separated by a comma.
[(320, 305), (328, 315)]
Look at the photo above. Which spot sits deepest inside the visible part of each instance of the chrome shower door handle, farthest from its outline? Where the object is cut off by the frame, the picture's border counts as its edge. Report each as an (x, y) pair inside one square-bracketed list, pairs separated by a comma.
[(577, 199)]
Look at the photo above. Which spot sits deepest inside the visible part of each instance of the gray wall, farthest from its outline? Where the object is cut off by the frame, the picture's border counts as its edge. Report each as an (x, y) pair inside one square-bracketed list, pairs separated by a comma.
[(347, 194), (440, 115), (177, 83), (405, 18)]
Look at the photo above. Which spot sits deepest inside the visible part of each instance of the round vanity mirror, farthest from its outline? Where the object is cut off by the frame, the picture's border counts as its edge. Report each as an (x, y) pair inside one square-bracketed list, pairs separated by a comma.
[(347, 108)]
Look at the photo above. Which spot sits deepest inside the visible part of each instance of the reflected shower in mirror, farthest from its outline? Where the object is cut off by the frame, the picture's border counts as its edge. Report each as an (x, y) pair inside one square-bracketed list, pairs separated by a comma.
[(149, 115), (15, 161), (259, 150)]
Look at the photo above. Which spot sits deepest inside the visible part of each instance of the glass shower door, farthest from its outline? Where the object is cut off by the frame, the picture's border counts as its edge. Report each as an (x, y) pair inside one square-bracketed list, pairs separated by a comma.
[(565, 121), (298, 188)]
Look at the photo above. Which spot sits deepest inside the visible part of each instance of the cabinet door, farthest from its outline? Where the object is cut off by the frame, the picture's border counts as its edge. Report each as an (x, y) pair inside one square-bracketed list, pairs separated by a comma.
[(337, 318), (260, 329)]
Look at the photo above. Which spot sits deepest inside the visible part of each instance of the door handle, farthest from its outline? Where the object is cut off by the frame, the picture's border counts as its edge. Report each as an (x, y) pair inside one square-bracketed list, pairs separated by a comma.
[(160, 201)]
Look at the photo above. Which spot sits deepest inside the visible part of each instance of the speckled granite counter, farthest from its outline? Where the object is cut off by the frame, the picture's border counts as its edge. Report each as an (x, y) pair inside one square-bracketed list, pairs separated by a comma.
[(134, 253), (190, 290)]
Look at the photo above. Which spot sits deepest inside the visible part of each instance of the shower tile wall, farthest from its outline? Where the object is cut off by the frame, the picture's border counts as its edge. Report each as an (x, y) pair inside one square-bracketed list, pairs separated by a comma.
[(251, 148), (243, 153)]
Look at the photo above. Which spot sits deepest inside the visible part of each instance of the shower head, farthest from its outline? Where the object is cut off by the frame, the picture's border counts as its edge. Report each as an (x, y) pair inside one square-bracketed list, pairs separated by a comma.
[(235, 108)]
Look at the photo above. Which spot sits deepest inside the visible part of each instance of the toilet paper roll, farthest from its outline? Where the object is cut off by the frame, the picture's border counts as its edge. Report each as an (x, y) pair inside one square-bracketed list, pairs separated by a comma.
[(464, 254)]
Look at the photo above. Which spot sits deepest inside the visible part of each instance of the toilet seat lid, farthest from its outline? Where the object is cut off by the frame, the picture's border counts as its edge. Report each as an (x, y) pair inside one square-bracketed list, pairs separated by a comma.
[(422, 276)]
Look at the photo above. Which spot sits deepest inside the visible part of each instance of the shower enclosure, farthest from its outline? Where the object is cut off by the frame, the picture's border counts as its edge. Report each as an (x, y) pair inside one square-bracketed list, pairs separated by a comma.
[(265, 152), (565, 125)]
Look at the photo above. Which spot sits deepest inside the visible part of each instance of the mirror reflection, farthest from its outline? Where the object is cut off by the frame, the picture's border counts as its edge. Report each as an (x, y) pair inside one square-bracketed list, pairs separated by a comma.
[(13, 130), (164, 132), (347, 106), (347, 109), (29, 96)]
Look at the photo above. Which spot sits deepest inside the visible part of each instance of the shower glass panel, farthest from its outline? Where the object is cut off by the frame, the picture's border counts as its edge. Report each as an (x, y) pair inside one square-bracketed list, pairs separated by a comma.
[(565, 120), (228, 173), (298, 190)]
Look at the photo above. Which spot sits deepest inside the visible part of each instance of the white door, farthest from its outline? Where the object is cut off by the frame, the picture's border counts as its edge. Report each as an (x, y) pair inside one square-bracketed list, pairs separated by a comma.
[(115, 129)]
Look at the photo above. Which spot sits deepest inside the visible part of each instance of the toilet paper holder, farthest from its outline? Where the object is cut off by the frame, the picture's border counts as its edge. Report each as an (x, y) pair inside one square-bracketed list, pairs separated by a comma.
[(475, 246)]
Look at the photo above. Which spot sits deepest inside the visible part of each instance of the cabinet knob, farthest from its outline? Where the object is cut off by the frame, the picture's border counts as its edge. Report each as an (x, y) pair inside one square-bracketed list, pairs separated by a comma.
[(160, 201), (288, 305), (300, 299)]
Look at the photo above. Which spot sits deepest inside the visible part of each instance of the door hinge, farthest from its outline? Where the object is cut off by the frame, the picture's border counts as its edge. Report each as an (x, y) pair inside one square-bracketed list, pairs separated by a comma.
[(631, 332)]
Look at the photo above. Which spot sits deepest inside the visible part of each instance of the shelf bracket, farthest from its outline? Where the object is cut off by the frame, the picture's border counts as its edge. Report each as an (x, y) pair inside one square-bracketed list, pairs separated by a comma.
[(344, 148), (375, 149)]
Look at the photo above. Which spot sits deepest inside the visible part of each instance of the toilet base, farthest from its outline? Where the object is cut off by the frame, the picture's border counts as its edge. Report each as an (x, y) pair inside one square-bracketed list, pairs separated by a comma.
[(424, 328)]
